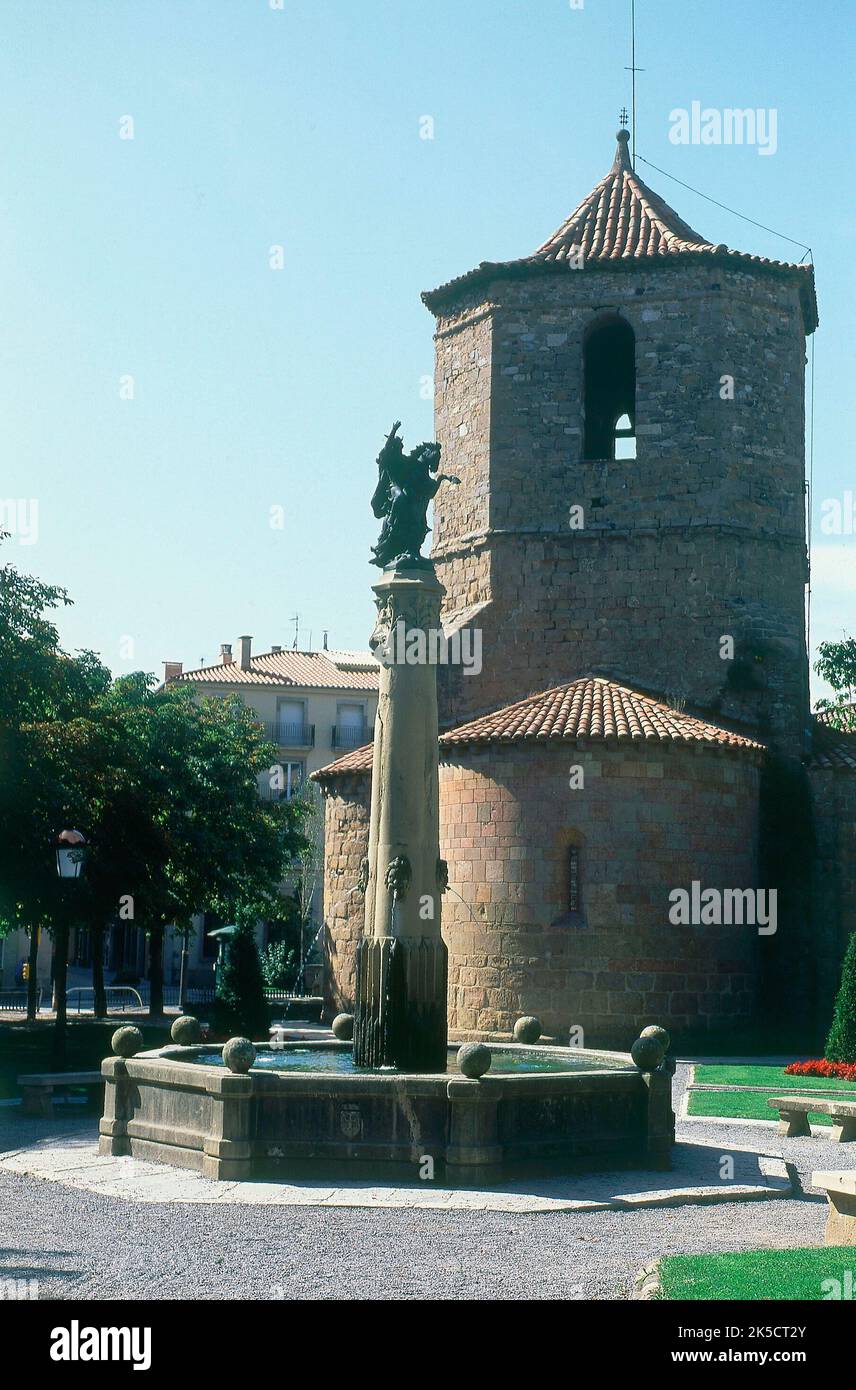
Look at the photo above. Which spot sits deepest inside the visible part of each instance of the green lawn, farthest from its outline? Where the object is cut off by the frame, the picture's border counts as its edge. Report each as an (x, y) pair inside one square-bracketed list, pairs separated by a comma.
[(752, 1105), (740, 1105), (775, 1077), (27, 1047), (760, 1274)]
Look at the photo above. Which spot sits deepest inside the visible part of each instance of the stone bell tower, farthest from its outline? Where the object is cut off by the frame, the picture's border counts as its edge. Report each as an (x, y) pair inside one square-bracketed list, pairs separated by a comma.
[(625, 410)]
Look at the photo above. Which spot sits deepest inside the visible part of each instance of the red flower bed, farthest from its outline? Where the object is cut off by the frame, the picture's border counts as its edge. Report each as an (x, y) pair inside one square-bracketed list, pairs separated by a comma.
[(839, 1071)]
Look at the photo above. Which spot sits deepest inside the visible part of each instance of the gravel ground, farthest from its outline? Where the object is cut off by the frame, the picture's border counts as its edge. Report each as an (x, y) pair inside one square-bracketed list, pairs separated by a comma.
[(82, 1245)]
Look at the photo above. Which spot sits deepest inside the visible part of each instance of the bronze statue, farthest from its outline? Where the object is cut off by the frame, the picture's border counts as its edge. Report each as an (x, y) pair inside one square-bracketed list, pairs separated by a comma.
[(406, 484)]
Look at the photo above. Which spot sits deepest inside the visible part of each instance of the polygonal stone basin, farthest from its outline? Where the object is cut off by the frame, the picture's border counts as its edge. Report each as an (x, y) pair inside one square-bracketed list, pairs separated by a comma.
[(337, 1059), (308, 1110)]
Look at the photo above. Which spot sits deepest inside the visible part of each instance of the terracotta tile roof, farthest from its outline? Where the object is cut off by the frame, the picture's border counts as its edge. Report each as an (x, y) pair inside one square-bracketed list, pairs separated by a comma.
[(832, 750), (359, 762), (591, 709), (597, 710), (619, 224), (316, 670)]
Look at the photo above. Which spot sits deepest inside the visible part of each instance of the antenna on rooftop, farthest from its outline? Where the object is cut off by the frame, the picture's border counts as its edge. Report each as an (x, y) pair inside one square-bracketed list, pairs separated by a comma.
[(633, 71), (296, 621)]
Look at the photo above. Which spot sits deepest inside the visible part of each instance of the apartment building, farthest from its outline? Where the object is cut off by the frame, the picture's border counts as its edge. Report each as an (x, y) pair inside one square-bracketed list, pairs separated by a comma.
[(313, 705)]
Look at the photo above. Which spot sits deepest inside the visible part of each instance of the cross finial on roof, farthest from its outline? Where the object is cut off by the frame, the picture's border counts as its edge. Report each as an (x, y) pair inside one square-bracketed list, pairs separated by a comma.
[(623, 117)]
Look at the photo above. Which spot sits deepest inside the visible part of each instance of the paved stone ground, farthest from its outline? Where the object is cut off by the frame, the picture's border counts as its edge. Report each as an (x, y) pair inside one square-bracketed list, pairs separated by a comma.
[(83, 1244)]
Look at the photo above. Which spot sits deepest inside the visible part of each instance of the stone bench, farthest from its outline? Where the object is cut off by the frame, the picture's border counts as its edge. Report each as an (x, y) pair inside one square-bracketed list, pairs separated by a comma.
[(794, 1113), (840, 1189), (38, 1088)]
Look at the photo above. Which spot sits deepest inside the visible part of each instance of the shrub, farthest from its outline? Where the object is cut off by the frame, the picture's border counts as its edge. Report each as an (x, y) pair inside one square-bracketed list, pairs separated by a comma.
[(838, 1071), (240, 1008), (841, 1043), (279, 964)]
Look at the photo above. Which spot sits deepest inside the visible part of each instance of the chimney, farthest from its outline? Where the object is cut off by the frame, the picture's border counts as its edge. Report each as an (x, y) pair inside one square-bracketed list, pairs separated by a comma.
[(246, 648), (275, 650), (325, 641), (171, 671), (226, 657)]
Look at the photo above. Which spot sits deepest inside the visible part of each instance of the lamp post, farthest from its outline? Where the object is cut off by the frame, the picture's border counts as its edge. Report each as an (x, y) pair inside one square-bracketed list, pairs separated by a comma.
[(223, 936), (70, 854)]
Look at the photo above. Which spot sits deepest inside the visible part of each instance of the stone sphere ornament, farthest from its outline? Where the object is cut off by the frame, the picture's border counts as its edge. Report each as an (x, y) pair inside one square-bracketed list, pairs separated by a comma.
[(647, 1053), (527, 1029), (239, 1054), (186, 1030), (343, 1027), (474, 1059), (655, 1031), (127, 1041)]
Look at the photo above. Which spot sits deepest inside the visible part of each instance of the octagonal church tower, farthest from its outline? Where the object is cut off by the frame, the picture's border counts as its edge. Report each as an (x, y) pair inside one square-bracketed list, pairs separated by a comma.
[(625, 410)]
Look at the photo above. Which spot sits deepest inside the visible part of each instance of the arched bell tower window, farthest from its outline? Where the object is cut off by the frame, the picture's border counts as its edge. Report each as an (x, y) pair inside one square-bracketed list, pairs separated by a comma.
[(609, 390)]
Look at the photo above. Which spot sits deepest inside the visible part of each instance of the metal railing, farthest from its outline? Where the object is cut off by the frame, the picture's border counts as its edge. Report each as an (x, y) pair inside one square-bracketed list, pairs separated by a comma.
[(345, 736), (108, 990), (291, 735), (14, 1001), (269, 793)]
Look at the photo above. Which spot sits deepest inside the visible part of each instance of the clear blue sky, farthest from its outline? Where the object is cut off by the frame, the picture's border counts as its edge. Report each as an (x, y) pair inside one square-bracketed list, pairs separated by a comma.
[(300, 127)]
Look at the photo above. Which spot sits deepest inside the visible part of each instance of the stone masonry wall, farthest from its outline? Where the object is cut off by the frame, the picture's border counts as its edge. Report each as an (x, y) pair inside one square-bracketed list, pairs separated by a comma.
[(346, 838), (645, 823)]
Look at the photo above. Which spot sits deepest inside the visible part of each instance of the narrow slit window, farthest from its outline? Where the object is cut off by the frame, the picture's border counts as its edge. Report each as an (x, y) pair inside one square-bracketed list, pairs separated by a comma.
[(574, 885)]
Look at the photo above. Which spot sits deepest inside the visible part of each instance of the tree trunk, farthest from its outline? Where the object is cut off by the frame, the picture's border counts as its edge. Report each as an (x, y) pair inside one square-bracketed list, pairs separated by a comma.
[(61, 932), (156, 971), (99, 1004), (33, 976)]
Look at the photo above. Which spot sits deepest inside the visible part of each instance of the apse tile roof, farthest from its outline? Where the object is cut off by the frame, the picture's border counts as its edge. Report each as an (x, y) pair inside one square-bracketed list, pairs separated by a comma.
[(595, 709), (620, 223), (319, 670), (832, 750), (589, 709), (360, 761)]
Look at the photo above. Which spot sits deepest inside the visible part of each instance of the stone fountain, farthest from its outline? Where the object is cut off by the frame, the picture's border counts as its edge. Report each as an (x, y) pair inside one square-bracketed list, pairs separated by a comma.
[(400, 1095)]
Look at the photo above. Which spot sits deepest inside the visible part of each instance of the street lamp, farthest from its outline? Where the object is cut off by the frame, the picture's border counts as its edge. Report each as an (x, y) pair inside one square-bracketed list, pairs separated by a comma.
[(223, 936), (70, 853)]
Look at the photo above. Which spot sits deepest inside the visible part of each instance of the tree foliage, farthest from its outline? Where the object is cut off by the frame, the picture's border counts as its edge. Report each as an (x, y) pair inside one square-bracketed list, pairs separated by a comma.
[(841, 1043), (164, 788), (240, 1009), (836, 663)]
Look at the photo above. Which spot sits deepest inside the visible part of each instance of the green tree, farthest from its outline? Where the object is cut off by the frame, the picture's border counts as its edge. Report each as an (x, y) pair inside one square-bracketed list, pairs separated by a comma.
[(836, 663), (164, 789), (841, 1043), (241, 1009), (41, 684), (178, 826)]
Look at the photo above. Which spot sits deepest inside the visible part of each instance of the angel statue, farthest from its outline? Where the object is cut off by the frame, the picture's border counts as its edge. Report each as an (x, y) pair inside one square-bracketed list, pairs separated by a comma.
[(406, 484)]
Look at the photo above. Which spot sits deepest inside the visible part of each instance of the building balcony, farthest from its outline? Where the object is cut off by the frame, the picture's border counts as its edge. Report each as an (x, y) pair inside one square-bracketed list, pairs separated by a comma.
[(291, 735), (345, 736), (269, 793)]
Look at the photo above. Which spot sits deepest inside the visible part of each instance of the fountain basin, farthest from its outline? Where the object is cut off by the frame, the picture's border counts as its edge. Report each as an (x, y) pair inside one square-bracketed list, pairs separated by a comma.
[(289, 1116)]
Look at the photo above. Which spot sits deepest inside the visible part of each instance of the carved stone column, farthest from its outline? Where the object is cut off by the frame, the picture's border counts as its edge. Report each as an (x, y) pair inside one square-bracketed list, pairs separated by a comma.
[(400, 1011)]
